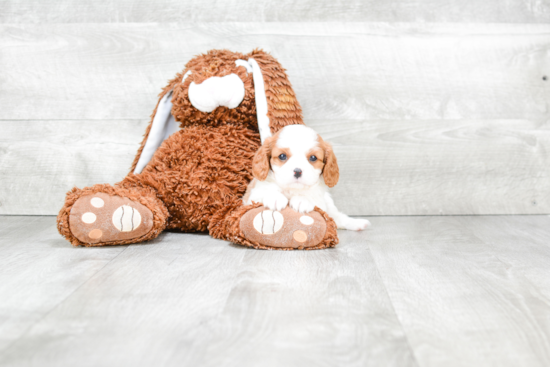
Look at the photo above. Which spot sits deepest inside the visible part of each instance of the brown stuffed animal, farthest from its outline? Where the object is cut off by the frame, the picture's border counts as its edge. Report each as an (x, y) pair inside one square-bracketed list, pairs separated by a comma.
[(192, 177)]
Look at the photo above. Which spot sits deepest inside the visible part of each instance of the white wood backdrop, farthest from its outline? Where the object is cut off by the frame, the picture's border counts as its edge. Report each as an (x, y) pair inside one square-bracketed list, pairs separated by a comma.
[(433, 107), (125, 11)]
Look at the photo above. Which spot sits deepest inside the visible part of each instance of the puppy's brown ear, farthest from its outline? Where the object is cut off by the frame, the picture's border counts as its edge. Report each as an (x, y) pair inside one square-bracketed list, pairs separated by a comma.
[(260, 163), (331, 173)]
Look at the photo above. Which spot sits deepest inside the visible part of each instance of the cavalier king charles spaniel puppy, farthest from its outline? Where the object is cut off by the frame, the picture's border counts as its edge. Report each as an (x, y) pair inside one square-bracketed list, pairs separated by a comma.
[(296, 167)]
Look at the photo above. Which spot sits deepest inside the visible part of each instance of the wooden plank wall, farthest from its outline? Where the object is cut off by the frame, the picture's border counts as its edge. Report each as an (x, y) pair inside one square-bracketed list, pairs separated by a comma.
[(433, 107)]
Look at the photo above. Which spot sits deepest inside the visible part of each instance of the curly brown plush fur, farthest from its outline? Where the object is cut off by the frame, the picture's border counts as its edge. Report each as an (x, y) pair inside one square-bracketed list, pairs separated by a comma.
[(284, 108), (187, 173), (198, 176)]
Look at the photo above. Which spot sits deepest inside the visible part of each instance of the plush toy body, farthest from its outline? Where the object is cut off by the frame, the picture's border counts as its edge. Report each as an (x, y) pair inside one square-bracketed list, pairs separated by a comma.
[(195, 162)]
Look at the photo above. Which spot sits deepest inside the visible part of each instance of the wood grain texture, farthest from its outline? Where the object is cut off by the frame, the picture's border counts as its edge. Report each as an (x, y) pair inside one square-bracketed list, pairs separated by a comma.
[(410, 291), (401, 167), (425, 118), (441, 167), (190, 300), (162, 11), (469, 291), (339, 70), (41, 160), (39, 271), (321, 308)]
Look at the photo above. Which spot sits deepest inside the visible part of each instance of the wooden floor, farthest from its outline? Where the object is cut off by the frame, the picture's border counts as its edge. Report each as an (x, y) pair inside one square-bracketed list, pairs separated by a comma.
[(411, 291)]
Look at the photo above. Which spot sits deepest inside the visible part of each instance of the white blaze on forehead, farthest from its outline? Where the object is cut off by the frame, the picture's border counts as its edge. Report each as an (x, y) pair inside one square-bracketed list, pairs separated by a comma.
[(299, 138), (227, 91)]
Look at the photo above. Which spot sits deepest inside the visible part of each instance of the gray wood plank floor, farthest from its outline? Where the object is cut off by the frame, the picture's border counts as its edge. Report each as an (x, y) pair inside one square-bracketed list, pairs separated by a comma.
[(411, 291)]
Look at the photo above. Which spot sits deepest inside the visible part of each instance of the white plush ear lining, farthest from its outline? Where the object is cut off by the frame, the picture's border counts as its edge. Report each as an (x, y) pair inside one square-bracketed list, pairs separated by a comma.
[(245, 64), (164, 125), (185, 76), (261, 101)]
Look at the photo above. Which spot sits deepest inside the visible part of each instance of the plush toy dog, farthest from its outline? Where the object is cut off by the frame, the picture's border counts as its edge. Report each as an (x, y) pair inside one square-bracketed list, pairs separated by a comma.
[(195, 163)]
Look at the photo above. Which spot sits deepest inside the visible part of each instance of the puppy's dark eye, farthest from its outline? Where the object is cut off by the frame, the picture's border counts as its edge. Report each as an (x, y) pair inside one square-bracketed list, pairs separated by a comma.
[(282, 156), (313, 158)]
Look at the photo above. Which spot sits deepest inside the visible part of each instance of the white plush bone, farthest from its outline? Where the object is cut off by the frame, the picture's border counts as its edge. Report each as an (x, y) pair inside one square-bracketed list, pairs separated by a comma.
[(227, 91)]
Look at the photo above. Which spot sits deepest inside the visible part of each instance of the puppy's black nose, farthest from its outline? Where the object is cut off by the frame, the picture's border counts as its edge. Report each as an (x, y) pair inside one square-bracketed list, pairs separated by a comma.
[(297, 172)]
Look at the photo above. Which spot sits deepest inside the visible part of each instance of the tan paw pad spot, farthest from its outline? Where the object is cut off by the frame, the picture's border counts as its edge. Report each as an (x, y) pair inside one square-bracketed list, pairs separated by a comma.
[(95, 234), (300, 236), (97, 202), (88, 217), (268, 222)]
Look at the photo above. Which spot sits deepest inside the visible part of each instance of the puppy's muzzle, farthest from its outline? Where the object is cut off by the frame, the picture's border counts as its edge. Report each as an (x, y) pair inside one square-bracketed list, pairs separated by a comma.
[(227, 91)]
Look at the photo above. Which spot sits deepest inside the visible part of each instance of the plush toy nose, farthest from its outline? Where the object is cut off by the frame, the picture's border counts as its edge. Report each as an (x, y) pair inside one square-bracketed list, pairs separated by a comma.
[(227, 91), (297, 172)]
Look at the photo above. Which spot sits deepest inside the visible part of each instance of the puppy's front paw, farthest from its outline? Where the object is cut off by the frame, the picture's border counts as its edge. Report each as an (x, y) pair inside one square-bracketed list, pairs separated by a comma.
[(356, 224), (301, 204), (275, 201)]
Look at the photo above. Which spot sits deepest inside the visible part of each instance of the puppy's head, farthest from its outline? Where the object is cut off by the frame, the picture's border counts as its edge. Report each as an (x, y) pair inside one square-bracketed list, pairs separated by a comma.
[(298, 157)]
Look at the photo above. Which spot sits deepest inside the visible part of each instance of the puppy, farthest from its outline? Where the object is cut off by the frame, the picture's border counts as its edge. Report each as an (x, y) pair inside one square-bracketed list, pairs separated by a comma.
[(296, 167)]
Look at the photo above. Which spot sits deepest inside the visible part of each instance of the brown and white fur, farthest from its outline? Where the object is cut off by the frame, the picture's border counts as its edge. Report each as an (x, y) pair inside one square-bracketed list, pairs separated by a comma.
[(296, 167)]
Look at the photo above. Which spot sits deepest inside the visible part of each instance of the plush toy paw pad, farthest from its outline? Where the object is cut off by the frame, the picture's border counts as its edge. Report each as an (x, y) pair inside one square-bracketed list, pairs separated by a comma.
[(105, 218), (95, 234), (283, 229)]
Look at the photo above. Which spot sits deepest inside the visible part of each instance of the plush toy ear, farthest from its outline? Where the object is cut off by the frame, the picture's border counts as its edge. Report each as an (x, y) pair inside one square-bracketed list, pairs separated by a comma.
[(260, 163), (162, 125), (276, 103)]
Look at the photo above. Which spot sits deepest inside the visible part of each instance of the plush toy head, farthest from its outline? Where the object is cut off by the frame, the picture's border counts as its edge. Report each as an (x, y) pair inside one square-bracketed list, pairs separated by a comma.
[(223, 87), (298, 156)]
